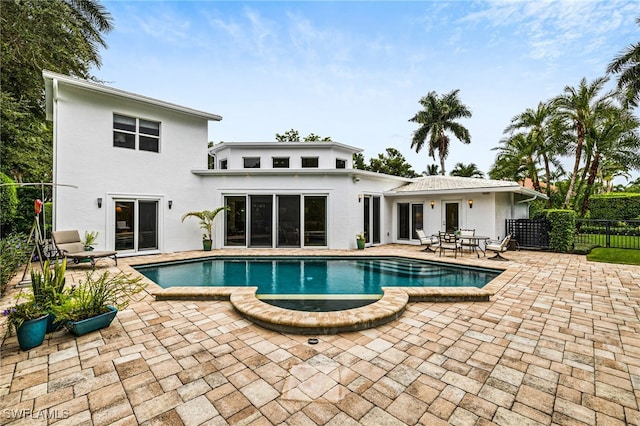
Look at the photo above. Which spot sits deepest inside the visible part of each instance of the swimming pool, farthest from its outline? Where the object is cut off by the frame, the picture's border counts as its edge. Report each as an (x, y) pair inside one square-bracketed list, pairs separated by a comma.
[(316, 283)]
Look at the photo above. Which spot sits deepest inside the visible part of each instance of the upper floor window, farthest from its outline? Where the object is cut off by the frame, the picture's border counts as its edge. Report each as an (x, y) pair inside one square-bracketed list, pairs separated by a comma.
[(280, 162), (251, 162), (223, 164), (127, 131), (310, 162), (341, 164)]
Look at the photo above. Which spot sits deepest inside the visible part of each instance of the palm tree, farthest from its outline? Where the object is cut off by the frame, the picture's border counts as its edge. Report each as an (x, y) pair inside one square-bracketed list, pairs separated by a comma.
[(546, 136), (577, 108), (436, 119), (515, 160), (467, 170), (627, 65), (432, 170), (206, 220)]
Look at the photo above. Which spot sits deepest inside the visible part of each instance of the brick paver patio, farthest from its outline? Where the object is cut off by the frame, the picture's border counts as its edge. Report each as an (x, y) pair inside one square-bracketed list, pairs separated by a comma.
[(558, 344)]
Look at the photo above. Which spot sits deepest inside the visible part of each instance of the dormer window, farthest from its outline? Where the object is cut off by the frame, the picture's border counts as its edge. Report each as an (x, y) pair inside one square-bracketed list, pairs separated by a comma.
[(251, 162), (310, 162), (280, 162), (341, 164)]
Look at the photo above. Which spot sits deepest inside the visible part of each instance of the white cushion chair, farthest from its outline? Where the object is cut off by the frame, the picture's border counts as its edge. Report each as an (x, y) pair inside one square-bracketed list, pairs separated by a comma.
[(430, 242), (498, 247)]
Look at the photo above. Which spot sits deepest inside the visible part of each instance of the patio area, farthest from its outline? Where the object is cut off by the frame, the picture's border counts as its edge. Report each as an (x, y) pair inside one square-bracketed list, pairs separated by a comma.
[(558, 343)]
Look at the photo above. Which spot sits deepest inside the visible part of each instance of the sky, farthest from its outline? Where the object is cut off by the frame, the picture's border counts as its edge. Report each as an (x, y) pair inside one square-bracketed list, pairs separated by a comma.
[(355, 71)]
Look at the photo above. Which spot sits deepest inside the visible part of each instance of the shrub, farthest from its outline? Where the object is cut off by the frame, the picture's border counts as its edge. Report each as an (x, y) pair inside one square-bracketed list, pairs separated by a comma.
[(14, 252), (615, 206), (563, 229)]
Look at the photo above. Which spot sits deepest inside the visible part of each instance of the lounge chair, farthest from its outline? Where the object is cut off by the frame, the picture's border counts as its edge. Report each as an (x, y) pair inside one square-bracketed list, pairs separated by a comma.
[(498, 247), (447, 241), (69, 245), (429, 242)]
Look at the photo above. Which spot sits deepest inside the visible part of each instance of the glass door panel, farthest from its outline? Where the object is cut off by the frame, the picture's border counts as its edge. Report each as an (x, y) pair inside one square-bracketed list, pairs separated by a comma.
[(376, 220), (451, 217), (288, 220), (147, 225), (367, 219), (261, 221), (235, 221), (403, 221), (125, 225), (315, 221), (416, 216)]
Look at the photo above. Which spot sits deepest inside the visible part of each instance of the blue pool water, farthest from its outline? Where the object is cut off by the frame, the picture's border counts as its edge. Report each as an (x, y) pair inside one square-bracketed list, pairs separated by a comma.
[(309, 277)]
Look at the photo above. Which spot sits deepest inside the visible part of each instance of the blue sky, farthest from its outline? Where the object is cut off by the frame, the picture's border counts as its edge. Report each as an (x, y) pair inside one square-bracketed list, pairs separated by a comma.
[(355, 71)]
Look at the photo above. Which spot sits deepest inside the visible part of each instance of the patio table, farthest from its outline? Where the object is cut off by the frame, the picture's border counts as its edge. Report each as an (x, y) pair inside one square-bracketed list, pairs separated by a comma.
[(474, 243)]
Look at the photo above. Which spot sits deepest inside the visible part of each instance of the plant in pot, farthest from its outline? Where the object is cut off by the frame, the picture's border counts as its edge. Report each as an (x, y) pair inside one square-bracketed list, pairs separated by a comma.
[(94, 302), (360, 240), (48, 289), (29, 319), (206, 222), (90, 239)]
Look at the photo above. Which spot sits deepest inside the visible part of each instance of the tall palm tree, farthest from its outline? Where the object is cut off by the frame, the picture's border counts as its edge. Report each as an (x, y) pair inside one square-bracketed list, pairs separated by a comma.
[(577, 108), (516, 160), (438, 116), (545, 135), (467, 170), (627, 65), (432, 170)]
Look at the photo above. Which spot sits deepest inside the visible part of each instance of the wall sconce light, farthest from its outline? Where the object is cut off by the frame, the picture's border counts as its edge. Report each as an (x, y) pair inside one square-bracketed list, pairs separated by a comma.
[(433, 204), (170, 203), (470, 204), (99, 202), (355, 179), (359, 198)]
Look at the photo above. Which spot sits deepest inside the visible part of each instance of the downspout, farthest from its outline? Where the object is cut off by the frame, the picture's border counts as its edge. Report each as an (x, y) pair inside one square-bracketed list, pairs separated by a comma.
[(54, 178)]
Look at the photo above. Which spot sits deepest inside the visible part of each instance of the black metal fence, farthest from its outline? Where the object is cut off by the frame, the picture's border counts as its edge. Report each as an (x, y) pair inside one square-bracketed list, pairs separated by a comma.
[(534, 233), (529, 233), (608, 233)]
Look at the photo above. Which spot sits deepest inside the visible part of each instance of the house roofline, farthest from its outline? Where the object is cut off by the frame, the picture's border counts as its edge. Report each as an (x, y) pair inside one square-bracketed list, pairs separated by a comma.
[(302, 145), (53, 79), (515, 189)]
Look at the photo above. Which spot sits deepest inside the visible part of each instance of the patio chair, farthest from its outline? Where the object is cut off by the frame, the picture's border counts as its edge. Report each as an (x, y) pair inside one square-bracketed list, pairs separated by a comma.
[(447, 241), (498, 247), (69, 245), (430, 242), (466, 243)]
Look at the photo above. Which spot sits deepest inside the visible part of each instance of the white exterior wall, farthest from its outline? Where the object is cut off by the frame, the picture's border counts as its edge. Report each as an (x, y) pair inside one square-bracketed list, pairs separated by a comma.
[(84, 156)]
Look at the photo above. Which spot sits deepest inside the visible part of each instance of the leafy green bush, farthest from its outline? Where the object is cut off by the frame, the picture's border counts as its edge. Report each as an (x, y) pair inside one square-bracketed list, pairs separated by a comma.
[(615, 206), (584, 248), (563, 229), (8, 201), (14, 252)]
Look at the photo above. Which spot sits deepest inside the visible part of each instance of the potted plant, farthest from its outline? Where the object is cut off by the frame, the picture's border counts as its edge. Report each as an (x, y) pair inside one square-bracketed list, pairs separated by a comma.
[(48, 289), (94, 303), (90, 239), (30, 321), (206, 222), (360, 240)]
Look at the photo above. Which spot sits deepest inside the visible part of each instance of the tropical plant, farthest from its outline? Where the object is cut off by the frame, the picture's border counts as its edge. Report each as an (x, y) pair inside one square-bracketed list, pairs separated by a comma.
[(90, 239), (14, 252), (206, 220), (95, 294), (467, 170), (432, 170), (627, 66), (436, 119), (48, 286), (578, 109), (294, 136)]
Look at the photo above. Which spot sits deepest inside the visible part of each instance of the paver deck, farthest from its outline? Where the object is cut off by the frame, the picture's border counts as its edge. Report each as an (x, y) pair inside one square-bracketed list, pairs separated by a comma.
[(557, 343)]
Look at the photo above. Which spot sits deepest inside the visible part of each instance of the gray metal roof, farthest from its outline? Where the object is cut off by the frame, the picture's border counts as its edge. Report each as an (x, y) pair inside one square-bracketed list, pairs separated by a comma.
[(455, 184)]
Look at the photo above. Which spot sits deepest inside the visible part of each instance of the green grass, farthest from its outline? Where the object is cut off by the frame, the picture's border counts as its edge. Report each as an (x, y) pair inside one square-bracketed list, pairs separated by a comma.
[(629, 241), (613, 255)]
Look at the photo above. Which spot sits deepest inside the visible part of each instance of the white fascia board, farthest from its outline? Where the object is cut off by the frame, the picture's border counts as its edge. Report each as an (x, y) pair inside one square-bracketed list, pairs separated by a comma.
[(49, 77), (296, 145)]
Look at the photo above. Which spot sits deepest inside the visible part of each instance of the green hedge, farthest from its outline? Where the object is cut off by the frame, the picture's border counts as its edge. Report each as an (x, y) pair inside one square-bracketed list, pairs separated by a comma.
[(14, 253), (615, 206), (563, 229)]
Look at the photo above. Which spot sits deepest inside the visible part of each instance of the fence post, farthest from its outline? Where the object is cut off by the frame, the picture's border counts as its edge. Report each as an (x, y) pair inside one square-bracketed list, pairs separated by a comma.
[(608, 234)]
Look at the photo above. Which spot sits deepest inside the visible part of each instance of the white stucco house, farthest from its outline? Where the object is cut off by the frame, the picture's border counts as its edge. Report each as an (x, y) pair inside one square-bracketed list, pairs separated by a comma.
[(140, 163)]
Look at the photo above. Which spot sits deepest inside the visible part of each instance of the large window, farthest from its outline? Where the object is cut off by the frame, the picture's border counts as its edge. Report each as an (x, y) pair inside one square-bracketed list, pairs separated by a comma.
[(127, 131)]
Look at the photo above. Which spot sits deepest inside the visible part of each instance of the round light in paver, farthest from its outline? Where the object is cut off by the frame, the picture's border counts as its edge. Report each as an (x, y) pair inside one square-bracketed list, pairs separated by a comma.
[(313, 341)]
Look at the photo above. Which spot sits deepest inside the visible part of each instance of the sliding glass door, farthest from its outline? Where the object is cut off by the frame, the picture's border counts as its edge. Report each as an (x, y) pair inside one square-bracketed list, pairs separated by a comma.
[(261, 221), (288, 220), (136, 225)]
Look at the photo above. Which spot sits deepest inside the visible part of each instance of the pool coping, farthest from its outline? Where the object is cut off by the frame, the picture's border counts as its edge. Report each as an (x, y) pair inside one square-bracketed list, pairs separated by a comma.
[(388, 308)]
